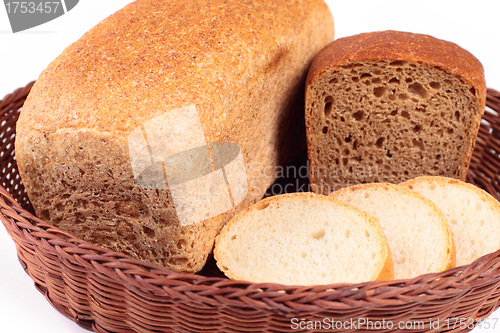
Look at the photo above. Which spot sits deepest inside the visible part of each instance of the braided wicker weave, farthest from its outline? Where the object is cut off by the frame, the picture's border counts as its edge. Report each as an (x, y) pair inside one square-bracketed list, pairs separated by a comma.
[(110, 292)]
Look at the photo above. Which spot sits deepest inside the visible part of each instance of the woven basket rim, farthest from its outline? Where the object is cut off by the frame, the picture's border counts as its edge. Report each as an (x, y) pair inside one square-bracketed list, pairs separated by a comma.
[(211, 290)]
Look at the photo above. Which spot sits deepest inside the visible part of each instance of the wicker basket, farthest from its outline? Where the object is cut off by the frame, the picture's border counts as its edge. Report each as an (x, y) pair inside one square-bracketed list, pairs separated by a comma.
[(110, 292)]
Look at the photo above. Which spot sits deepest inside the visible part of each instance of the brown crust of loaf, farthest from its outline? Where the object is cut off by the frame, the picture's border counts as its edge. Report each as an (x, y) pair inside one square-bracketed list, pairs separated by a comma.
[(243, 64)]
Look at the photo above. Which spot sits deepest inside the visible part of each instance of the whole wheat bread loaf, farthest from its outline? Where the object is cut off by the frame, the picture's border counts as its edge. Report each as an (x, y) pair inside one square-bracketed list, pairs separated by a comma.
[(389, 106), (416, 229), (303, 239), (229, 71), (472, 213)]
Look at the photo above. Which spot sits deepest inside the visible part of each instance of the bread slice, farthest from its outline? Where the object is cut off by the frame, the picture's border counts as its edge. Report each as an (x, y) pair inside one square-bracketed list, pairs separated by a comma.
[(303, 239), (416, 230), (472, 213), (390, 106)]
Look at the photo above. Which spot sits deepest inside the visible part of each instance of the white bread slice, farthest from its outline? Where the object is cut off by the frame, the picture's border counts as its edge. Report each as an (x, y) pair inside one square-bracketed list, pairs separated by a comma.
[(418, 235), (303, 239), (472, 213)]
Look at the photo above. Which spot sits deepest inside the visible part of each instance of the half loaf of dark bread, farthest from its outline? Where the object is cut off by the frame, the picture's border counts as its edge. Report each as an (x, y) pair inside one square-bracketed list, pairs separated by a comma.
[(390, 106)]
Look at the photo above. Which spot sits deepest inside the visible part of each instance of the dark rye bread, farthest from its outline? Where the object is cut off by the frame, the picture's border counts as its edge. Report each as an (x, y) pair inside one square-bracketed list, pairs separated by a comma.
[(242, 65), (390, 106)]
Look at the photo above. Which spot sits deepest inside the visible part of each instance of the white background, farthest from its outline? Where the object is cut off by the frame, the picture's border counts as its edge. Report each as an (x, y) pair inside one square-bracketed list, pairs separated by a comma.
[(471, 24)]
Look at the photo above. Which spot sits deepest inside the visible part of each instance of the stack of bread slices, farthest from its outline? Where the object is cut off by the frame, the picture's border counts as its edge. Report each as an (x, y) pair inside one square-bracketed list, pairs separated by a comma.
[(375, 231)]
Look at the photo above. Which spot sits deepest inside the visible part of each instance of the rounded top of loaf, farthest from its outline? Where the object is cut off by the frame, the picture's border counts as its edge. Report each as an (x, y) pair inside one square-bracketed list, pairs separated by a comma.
[(398, 45), (155, 55)]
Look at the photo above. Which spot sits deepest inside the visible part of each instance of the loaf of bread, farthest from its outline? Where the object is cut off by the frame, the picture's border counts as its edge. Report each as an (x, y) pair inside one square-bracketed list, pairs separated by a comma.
[(303, 239), (417, 232), (472, 213), (390, 106), (147, 134)]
